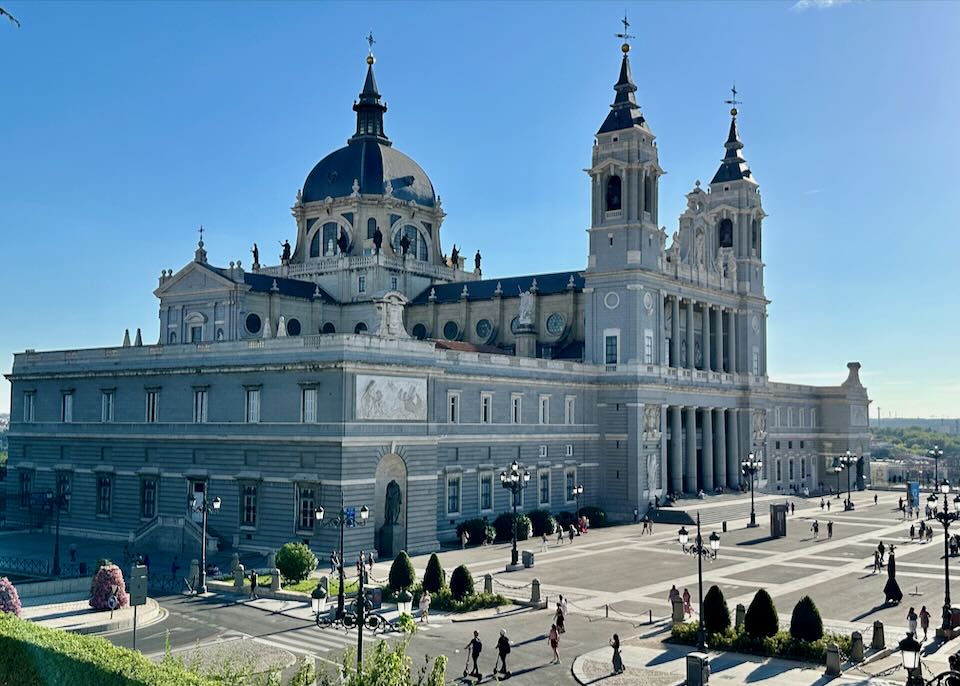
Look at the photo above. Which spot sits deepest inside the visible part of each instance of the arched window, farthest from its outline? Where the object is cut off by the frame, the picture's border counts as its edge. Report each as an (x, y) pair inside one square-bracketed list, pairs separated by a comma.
[(419, 332), (324, 241), (418, 249), (755, 237), (371, 228), (613, 193), (328, 328), (173, 337), (360, 328), (293, 327), (725, 233), (648, 194)]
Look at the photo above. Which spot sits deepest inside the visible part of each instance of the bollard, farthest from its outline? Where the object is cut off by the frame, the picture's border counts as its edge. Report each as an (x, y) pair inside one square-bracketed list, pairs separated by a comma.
[(724, 527), (274, 579), (677, 617), (271, 560), (238, 578), (856, 647), (325, 585), (234, 561), (879, 642), (535, 591), (488, 583), (741, 615), (698, 669), (833, 660), (606, 611), (194, 573), (649, 616)]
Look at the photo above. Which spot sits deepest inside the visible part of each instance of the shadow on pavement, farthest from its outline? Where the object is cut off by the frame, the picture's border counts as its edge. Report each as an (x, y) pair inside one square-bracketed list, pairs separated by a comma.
[(875, 608), (767, 671), (756, 541), (665, 657)]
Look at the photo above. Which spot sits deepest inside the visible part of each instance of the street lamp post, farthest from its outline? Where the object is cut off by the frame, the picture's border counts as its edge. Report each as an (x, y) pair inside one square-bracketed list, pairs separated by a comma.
[(910, 655), (57, 501), (577, 492), (848, 460), (340, 522), (750, 468), (516, 480), (945, 517), (701, 552), (836, 469), (205, 508), (936, 453)]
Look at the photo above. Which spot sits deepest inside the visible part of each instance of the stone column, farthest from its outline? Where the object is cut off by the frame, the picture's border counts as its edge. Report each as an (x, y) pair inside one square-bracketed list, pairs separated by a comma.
[(676, 457), (721, 472), (706, 422), (733, 445), (690, 467), (675, 331), (690, 335), (732, 342), (707, 366), (719, 339)]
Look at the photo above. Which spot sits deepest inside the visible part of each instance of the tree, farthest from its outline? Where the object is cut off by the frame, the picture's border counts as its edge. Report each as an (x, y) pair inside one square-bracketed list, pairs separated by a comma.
[(761, 619), (805, 623), (542, 522), (716, 614), (401, 572), (461, 583), (434, 578), (295, 561), (504, 526)]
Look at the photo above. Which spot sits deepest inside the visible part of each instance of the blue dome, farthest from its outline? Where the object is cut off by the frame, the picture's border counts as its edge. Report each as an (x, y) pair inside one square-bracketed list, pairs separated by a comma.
[(372, 163)]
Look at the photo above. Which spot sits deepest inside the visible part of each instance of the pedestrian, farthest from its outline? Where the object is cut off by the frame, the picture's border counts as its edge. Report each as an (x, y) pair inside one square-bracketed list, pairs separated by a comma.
[(73, 552), (174, 567), (924, 621), (815, 528), (913, 532), (360, 563), (644, 529), (687, 607), (425, 607), (649, 525), (476, 647), (793, 508), (333, 562), (563, 606), (900, 502), (253, 584), (929, 534), (822, 504), (543, 542), (571, 533), (874, 498), (673, 595), (558, 619), (830, 529), (555, 644), (636, 515), (912, 622), (464, 539), (617, 659), (146, 562), (882, 549), (560, 535), (503, 649), (828, 506), (876, 562)]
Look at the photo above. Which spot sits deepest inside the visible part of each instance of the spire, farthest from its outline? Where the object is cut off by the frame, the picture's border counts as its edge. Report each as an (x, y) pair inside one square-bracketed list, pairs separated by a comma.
[(624, 112), (733, 167), (369, 109)]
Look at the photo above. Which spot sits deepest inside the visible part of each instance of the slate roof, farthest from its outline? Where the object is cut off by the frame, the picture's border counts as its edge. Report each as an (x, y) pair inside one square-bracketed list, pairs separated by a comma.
[(624, 112), (263, 283), (547, 284), (733, 167)]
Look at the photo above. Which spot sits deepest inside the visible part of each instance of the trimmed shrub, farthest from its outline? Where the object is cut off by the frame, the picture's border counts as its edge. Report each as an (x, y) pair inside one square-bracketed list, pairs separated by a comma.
[(9, 598), (504, 526), (782, 644), (716, 614), (565, 519), (461, 583), (761, 619), (805, 623), (108, 577), (102, 562), (434, 578), (401, 572), (596, 516), (542, 522), (295, 562), (479, 531)]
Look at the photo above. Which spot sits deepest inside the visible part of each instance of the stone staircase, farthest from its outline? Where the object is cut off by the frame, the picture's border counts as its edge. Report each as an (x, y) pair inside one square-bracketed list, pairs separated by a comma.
[(174, 534), (717, 509)]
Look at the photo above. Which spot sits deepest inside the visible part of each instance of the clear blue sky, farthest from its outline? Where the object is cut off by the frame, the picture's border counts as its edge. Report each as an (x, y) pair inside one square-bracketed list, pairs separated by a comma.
[(125, 125)]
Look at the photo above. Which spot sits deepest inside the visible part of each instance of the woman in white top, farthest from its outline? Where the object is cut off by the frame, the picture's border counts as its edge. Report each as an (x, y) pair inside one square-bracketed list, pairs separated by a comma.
[(425, 607)]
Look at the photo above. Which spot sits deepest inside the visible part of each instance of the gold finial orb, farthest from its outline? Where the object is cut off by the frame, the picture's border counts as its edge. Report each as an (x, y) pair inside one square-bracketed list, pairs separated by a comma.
[(625, 47), (370, 60), (733, 111)]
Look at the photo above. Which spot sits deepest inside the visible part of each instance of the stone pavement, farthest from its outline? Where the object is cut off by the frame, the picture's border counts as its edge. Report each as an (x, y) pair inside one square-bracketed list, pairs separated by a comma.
[(74, 614)]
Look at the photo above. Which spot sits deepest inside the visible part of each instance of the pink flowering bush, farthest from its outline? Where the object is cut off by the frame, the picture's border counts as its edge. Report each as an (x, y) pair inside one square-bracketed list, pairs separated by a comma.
[(9, 598), (107, 577)]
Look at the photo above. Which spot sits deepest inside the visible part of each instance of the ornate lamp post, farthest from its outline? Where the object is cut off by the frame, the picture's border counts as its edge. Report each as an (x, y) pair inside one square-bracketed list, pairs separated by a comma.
[(515, 480), (836, 469), (58, 501), (340, 521), (910, 655), (701, 551), (935, 454), (577, 492), (945, 517), (848, 460), (204, 507), (750, 468)]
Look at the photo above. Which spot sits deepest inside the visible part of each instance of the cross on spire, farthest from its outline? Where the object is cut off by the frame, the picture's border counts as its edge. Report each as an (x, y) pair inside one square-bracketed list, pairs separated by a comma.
[(201, 234), (370, 41), (733, 100), (626, 25)]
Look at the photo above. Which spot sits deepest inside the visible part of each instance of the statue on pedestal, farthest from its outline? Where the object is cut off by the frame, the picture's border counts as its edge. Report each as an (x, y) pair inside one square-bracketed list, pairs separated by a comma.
[(391, 508)]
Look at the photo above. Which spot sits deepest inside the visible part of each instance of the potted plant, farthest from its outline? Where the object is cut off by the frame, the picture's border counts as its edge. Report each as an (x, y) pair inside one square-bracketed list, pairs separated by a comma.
[(404, 602)]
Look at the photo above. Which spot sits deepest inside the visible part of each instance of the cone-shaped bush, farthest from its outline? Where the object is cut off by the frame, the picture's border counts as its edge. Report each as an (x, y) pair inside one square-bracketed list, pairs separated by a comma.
[(761, 619), (401, 572), (716, 615), (108, 578), (461, 583), (9, 598), (434, 578), (805, 623)]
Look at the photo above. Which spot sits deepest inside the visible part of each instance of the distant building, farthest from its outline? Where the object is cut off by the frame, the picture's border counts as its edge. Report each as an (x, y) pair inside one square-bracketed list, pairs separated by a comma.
[(372, 354)]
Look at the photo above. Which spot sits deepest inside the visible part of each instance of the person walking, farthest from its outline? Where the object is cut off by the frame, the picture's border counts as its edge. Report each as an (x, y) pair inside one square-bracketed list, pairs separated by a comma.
[(370, 562), (425, 607), (687, 607), (912, 622), (554, 639), (874, 498), (464, 539), (617, 658), (333, 562), (876, 562), (558, 619), (815, 528), (828, 506), (882, 550), (503, 649), (571, 533), (924, 621), (560, 535), (822, 504), (475, 646), (793, 508), (253, 584), (543, 542), (644, 529), (563, 606), (830, 529), (913, 532)]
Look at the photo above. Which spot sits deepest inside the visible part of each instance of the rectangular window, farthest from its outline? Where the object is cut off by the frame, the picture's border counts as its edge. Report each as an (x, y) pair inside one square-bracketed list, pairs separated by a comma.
[(486, 408), (248, 505), (196, 334), (252, 410), (789, 445), (543, 451), (106, 407), (104, 494), (148, 498), (544, 487), (789, 416), (453, 494), (569, 410), (453, 407), (803, 468), (308, 406), (63, 487), (778, 470), (393, 283), (756, 362), (801, 445), (569, 451), (26, 487), (516, 408), (66, 407), (803, 417), (486, 492), (306, 510), (790, 469), (199, 406), (648, 346), (776, 444), (361, 284), (153, 406), (29, 403), (610, 349), (544, 409), (569, 482), (776, 417)]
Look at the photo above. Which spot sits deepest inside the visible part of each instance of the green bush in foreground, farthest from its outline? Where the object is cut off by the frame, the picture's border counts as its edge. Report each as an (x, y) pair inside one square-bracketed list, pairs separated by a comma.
[(386, 666), (781, 644), (761, 619), (716, 614), (461, 583), (401, 572), (805, 623), (434, 578), (295, 561)]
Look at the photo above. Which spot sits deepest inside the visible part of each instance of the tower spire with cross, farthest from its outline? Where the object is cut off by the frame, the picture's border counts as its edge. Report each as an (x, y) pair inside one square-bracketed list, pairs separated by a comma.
[(625, 36), (200, 255)]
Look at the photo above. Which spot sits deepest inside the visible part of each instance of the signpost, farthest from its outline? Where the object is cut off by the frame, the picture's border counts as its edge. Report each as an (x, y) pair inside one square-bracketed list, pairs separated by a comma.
[(138, 594)]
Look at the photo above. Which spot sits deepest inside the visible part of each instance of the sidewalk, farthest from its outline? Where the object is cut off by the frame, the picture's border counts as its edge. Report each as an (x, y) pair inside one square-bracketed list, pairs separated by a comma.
[(77, 616)]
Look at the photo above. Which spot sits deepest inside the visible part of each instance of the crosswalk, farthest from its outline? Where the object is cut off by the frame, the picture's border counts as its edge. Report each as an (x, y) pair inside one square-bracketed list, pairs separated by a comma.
[(312, 640)]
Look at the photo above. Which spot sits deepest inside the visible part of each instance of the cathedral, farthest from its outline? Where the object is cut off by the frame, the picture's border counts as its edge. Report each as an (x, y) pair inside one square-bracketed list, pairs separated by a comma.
[(370, 367)]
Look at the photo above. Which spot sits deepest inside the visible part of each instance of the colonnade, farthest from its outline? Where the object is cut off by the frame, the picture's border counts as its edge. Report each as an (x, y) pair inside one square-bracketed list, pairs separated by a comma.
[(718, 462), (720, 320)]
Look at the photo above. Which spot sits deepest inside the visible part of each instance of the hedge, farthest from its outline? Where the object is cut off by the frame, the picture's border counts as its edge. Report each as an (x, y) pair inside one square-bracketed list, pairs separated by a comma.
[(504, 526), (443, 599), (401, 572), (542, 522), (805, 623), (434, 578), (716, 614), (781, 644), (596, 516), (480, 530), (761, 619), (9, 597), (461, 583)]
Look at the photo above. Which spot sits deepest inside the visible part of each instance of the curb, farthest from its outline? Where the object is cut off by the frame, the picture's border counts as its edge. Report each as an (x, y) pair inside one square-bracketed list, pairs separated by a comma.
[(150, 616)]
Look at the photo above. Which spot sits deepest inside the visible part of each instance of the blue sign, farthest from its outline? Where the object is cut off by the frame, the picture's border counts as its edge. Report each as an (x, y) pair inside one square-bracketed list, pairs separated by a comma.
[(351, 516), (913, 493)]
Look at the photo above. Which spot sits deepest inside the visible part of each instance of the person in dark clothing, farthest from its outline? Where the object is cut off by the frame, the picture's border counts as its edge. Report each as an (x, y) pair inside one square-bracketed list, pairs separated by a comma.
[(503, 649), (476, 647), (253, 584)]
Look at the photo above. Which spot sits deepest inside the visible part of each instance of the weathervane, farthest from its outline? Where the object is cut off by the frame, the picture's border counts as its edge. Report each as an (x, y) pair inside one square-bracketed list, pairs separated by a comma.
[(370, 42), (733, 100), (201, 234), (625, 36)]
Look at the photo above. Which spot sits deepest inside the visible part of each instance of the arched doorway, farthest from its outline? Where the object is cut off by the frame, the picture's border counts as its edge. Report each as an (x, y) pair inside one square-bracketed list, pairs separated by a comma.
[(390, 510)]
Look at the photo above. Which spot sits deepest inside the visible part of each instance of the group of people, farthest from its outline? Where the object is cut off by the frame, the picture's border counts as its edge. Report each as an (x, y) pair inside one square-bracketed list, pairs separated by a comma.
[(365, 562), (685, 597), (924, 618), (924, 533), (571, 532)]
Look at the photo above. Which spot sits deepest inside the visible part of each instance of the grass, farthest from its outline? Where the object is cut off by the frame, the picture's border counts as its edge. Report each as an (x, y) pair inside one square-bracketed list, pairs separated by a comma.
[(305, 586)]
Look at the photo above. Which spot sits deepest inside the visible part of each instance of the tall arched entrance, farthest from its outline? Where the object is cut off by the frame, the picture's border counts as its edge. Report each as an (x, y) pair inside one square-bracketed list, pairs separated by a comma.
[(390, 511)]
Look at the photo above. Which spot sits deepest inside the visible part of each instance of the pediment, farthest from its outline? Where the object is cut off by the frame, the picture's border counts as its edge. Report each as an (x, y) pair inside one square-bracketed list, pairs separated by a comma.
[(192, 279)]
